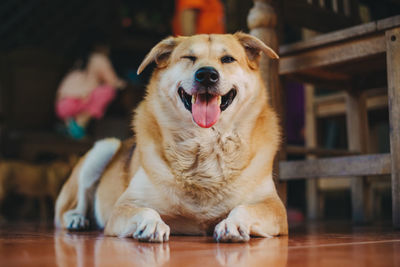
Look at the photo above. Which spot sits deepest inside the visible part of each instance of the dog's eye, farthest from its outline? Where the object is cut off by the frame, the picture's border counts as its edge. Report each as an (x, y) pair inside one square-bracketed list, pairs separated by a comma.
[(192, 58), (227, 59)]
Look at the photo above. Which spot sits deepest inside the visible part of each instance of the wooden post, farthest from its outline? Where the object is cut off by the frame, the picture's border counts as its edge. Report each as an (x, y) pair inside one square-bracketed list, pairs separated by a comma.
[(357, 134), (313, 196), (262, 22), (393, 72), (312, 192)]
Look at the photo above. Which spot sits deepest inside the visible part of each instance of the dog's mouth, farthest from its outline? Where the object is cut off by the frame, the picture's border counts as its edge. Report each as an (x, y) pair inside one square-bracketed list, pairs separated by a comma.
[(206, 107)]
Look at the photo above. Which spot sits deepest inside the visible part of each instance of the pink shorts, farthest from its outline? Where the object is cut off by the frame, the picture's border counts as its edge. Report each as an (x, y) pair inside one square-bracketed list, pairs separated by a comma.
[(95, 104)]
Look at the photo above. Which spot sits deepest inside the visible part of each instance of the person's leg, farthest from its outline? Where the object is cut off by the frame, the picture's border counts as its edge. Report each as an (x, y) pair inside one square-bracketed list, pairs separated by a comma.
[(83, 118), (98, 101), (70, 110), (75, 130), (77, 113)]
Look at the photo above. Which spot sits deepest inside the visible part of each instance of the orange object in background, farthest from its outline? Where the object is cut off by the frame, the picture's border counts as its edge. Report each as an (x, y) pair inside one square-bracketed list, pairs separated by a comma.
[(210, 16)]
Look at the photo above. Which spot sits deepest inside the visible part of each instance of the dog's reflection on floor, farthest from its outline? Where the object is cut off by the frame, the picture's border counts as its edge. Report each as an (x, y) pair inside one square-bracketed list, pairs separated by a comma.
[(79, 249), (258, 252)]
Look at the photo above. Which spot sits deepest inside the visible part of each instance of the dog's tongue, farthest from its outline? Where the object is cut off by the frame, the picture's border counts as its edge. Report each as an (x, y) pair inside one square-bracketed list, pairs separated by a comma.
[(206, 110)]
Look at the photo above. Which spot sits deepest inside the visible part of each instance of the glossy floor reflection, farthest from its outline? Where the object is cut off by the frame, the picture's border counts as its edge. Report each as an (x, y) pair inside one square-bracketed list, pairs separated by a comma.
[(327, 244)]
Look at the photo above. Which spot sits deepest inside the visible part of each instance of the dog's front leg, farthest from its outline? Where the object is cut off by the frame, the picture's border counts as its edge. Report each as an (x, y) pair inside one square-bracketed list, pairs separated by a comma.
[(143, 224), (265, 219)]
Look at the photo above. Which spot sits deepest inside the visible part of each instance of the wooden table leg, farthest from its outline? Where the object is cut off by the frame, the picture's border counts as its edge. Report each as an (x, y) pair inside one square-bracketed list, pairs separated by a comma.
[(393, 72)]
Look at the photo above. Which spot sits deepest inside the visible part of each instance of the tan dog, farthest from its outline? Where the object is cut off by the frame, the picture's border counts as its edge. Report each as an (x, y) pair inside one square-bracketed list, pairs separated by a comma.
[(205, 143), (34, 181)]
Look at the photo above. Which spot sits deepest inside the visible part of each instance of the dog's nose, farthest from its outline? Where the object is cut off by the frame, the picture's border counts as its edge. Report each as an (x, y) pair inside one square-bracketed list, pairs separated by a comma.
[(207, 76)]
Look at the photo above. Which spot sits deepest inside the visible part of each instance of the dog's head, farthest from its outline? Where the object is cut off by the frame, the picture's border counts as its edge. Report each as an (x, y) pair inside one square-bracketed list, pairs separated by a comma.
[(206, 76)]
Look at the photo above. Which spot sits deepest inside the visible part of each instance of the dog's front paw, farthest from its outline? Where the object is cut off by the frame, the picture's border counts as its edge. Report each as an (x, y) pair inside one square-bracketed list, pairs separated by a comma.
[(230, 231), (152, 231), (75, 221), (150, 227)]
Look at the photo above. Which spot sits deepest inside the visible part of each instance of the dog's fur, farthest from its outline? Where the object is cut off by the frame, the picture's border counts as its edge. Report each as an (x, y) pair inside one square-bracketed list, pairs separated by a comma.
[(177, 176)]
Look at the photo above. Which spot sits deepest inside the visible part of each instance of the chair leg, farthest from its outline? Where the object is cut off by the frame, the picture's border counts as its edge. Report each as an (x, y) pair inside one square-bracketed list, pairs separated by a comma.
[(393, 72), (357, 135), (313, 199), (312, 192)]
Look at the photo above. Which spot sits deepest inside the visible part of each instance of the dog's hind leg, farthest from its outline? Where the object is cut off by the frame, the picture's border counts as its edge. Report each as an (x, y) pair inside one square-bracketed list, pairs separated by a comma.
[(89, 174)]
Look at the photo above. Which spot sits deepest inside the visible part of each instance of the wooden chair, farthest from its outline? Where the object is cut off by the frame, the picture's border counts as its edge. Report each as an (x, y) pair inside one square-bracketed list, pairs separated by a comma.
[(351, 59), (327, 107)]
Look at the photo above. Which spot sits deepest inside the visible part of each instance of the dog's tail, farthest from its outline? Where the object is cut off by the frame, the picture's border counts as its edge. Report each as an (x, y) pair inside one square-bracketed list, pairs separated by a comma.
[(97, 159), (91, 170)]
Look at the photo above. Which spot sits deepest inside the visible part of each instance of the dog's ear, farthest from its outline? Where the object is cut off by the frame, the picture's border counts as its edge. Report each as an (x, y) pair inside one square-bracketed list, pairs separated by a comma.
[(160, 53), (254, 46)]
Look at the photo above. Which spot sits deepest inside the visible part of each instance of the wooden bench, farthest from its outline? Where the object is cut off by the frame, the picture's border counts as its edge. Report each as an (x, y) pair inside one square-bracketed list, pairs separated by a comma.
[(354, 59)]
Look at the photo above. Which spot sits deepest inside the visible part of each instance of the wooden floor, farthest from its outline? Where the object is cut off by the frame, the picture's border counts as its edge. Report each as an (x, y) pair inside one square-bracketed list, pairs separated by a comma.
[(328, 244)]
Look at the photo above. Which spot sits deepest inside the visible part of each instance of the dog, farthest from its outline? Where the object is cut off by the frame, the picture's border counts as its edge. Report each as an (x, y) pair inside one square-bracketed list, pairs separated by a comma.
[(35, 182), (202, 158)]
